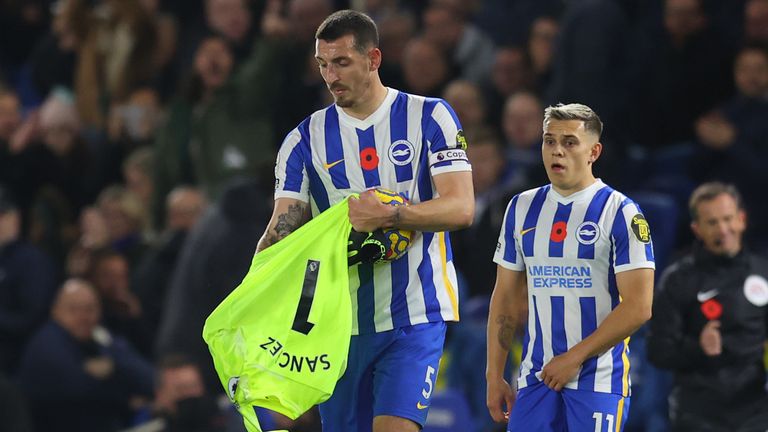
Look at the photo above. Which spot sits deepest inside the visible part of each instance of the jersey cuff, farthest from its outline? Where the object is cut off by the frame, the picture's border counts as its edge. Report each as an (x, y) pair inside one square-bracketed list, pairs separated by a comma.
[(508, 265), (291, 194), (633, 266)]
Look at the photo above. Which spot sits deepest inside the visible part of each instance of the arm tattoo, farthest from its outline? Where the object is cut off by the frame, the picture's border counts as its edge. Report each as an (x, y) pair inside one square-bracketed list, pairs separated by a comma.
[(506, 331), (396, 221), (287, 223)]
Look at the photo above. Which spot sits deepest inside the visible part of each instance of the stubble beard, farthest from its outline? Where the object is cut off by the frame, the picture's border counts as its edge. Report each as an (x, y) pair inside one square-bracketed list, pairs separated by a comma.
[(343, 102)]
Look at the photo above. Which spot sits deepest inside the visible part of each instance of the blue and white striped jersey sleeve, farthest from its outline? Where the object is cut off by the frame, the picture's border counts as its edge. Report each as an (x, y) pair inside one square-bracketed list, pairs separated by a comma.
[(447, 145), (631, 235), (291, 179), (508, 253)]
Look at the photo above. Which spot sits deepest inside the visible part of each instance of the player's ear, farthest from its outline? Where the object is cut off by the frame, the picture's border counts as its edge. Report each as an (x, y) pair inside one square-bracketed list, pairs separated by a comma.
[(374, 56), (595, 152)]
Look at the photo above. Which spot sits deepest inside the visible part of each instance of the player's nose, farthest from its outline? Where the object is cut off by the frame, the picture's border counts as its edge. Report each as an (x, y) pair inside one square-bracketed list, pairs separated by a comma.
[(557, 149)]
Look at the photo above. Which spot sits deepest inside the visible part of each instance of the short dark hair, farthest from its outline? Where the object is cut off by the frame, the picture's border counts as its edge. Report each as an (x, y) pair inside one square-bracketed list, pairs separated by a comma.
[(346, 22), (754, 47), (175, 360), (708, 192), (575, 111)]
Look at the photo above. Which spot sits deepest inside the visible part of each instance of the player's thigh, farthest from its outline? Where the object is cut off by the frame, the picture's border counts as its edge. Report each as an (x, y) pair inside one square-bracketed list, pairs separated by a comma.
[(537, 408), (385, 423), (406, 372), (595, 411)]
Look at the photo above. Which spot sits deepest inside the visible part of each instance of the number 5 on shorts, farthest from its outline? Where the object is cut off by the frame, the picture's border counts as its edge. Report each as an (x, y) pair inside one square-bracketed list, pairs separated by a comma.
[(428, 380)]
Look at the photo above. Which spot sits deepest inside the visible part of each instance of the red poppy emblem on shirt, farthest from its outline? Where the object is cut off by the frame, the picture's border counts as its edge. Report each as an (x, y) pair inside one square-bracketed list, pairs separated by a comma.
[(369, 159), (712, 309), (559, 232)]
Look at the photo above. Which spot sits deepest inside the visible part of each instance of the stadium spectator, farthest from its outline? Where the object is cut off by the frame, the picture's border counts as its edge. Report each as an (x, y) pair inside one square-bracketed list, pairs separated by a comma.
[(510, 74), (209, 135), (152, 278), (732, 139), (133, 121), (522, 127), (541, 51), (508, 21), (181, 402), (27, 285), (122, 311), (137, 171), (425, 70), (117, 55), (470, 49), (292, 25), (126, 220), (395, 30), (82, 377), (57, 168), (212, 262), (473, 247), (756, 22), (467, 100), (595, 64), (685, 72), (53, 61)]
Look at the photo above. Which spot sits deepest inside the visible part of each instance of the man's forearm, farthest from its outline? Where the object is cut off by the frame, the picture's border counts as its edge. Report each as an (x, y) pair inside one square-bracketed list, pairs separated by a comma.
[(435, 215), (283, 223), (452, 208), (506, 308), (501, 330)]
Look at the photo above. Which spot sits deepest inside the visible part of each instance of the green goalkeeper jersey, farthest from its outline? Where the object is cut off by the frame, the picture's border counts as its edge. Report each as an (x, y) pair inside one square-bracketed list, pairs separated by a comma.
[(280, 339)]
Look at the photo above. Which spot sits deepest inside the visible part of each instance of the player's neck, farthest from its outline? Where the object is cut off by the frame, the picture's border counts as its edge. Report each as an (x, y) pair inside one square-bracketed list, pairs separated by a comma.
[(370, 103), (567, 190)]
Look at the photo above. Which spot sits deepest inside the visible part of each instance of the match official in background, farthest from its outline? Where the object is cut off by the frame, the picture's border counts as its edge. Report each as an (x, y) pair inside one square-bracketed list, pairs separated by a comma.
[(709, 322)]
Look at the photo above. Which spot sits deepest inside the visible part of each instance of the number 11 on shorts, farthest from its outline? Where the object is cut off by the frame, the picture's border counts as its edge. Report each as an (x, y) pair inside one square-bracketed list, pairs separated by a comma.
[(598, 416)]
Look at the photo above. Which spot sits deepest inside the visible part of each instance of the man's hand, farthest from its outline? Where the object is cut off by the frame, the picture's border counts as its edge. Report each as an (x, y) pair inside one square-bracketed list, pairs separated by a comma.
[(560, 370), (500, 399), (710, 339), (715, 131), (367, 213), (99, 367)]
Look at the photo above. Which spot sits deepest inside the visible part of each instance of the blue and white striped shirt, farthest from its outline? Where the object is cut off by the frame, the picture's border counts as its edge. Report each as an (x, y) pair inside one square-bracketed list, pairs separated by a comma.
[(401, 146), (571, 248)]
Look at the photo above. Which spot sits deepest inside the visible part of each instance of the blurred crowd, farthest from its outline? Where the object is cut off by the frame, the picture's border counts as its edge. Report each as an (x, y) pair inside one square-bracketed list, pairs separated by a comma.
[(138, 138)]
